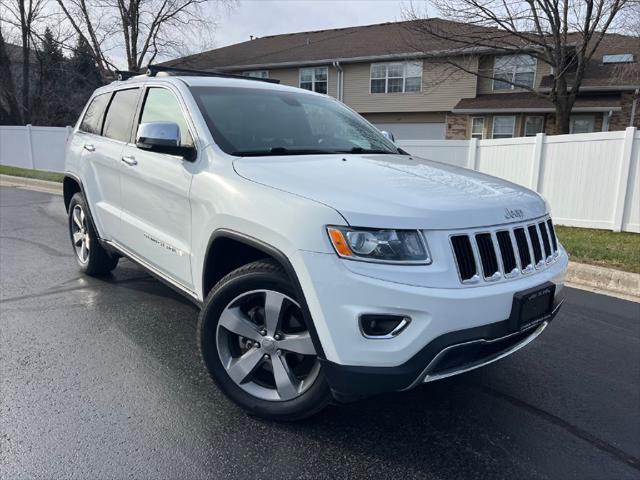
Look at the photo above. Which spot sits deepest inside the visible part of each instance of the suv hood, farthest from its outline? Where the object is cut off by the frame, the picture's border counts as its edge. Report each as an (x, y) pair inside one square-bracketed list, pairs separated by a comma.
[(396, 191)]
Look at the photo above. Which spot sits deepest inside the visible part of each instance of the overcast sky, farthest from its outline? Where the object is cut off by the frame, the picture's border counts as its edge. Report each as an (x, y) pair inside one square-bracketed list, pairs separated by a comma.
[(271, 17)]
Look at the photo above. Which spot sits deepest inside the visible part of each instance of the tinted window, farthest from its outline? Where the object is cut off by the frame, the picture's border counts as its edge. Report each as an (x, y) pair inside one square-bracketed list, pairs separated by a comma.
[(247, 121), (162, 106), (117, 123), (92, 121)]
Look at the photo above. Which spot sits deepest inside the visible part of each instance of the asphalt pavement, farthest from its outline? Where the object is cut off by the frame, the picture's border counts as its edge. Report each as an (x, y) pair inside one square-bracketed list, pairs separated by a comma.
[(100, 378)]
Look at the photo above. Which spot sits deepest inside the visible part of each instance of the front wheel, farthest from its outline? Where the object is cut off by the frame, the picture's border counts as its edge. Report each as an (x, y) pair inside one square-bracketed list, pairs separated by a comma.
[(257, 347), (91, 257)]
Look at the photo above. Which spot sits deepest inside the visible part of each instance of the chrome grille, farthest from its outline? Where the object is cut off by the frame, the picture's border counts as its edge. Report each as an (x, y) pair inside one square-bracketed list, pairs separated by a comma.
[(505, 252)]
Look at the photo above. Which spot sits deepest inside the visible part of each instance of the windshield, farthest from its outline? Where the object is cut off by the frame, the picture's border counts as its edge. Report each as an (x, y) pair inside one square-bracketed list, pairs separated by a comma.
[(256, 122)]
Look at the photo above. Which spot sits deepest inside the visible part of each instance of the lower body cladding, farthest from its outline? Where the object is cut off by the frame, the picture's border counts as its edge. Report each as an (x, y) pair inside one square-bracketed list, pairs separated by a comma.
[(444, 332)]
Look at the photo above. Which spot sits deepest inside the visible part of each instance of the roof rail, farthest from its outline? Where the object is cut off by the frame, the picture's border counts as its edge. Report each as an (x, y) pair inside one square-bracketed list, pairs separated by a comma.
[(153, 70), (122, 75)]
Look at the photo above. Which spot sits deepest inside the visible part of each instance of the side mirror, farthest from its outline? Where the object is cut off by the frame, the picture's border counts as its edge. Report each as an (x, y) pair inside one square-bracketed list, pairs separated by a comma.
[(162, 137), (388, 135)]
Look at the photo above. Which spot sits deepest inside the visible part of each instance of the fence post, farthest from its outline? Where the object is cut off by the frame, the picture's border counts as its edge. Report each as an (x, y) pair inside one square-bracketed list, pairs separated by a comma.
[(30, 147), (536, 167), (472, 154), (623, 178)]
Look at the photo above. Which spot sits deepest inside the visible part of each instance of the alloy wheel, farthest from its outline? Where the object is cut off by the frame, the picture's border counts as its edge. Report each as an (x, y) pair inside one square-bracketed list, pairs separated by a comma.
[(265, 347), (80, 234)]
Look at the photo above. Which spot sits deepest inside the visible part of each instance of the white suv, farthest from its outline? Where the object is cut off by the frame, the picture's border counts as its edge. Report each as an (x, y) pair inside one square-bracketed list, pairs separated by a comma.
[(329, 263)]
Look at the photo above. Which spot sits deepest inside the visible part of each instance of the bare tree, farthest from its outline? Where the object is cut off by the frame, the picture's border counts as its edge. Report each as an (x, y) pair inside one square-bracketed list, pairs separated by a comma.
[(10, 111), (143, 29), (564, 34), (24, 16)]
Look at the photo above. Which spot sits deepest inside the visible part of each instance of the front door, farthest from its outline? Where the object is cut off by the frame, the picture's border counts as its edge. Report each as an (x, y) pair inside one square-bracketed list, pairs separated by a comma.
[(156, 212)]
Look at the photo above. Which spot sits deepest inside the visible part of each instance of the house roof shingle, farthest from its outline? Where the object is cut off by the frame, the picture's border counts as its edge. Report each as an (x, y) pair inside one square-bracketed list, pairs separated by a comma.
[(397, 38), (400, 39), (530, 102)]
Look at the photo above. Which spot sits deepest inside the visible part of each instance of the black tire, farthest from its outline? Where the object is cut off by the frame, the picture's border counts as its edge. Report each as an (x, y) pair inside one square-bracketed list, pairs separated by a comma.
[(268, 275), (98, 261)]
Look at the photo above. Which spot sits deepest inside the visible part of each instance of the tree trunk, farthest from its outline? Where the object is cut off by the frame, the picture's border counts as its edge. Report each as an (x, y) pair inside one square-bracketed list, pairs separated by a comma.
[(26, 59), (563, 119)]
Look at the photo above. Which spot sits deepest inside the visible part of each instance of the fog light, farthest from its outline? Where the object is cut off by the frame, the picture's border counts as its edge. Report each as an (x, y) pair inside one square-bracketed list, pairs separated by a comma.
[(382, 326)]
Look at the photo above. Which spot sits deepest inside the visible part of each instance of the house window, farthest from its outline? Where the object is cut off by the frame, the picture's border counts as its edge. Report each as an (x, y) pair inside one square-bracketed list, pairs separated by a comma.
[(618, 58), (517, 69), (582, 124), (504, 126), (257, 73), (477, 128), (533, 126), (314, 79), (396, 77)]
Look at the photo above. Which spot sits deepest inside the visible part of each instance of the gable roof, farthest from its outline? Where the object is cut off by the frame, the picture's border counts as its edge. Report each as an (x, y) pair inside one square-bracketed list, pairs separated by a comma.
[(393, 40), (14, 52), (598, 74), (385, 39)]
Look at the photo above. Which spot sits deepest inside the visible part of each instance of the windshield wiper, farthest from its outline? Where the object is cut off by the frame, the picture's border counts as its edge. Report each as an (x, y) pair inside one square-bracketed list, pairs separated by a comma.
[(281, 151), (366, 150)]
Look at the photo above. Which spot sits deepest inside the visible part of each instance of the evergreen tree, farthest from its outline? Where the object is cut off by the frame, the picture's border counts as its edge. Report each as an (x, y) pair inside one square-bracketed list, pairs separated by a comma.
[(50, 103)]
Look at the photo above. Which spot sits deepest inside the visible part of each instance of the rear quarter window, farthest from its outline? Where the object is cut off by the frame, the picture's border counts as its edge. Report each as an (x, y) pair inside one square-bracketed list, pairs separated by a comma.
[(92, 120)]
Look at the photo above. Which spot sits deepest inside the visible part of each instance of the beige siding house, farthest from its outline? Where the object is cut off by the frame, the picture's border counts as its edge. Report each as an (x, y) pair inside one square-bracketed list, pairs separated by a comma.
[(377, 71)]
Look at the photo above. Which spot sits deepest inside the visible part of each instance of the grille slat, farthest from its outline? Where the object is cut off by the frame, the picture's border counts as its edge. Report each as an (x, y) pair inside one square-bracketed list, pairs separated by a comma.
[(488, 257), (464, 256), (545, 239), (552, 234), (523, 248), (535, 243), (506, 251)]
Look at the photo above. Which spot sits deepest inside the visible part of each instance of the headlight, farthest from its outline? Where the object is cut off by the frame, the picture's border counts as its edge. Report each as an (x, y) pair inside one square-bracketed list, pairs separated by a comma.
[(385, 246)]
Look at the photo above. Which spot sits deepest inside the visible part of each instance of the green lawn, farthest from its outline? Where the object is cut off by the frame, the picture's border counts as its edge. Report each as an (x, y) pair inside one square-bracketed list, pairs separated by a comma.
[(602, 247), (25, 172)]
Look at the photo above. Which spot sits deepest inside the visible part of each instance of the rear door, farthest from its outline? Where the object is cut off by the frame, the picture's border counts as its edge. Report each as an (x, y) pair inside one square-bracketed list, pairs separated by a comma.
[(99, 167), (104, 154), (156, 212)]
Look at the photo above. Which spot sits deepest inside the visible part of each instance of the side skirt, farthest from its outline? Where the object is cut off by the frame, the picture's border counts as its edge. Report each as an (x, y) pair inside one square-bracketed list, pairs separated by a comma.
[(116, 247)]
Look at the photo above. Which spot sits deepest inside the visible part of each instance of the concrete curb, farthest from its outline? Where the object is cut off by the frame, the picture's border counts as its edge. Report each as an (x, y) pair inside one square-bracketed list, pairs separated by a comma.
[(31, 184), (605, 280)]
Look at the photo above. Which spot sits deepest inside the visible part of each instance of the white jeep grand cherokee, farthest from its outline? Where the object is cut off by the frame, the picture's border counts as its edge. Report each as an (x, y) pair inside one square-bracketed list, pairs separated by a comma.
[(329, 264)]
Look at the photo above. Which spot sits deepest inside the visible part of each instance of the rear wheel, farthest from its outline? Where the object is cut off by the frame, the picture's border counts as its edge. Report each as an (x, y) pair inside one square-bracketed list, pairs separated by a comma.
[(257, 347), (91, 257)]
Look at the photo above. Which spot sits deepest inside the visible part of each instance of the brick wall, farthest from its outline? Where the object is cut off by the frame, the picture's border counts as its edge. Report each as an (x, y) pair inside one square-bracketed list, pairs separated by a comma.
[(620, 120), (457, 126)]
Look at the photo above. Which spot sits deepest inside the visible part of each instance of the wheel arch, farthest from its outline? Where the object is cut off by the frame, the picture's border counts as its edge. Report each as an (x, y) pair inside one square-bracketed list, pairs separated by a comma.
[(224, 243), (70, 186)]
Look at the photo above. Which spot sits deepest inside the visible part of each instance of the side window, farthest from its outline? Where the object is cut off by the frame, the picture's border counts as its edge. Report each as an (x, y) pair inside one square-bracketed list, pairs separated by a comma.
[(162, 106), (92, 120), (117, 123)]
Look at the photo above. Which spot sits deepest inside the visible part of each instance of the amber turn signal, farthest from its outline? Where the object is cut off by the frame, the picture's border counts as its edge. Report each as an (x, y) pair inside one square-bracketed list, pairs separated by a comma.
[(339, 242)]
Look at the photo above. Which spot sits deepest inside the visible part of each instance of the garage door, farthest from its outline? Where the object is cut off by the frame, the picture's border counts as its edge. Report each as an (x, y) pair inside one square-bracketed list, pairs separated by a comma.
[(415, 131)]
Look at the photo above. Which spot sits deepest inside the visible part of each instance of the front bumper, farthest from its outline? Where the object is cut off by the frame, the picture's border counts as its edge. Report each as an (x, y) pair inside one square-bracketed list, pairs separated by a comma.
[(450, 354), (440, 318)]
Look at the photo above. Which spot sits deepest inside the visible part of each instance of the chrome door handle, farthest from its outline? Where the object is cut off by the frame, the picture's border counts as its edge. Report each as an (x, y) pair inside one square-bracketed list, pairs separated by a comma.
[(90, 148), (129, 160)]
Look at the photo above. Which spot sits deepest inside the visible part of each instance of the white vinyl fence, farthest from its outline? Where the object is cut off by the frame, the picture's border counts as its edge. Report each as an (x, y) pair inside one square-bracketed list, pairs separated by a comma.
[(40, 148), (590, 180)]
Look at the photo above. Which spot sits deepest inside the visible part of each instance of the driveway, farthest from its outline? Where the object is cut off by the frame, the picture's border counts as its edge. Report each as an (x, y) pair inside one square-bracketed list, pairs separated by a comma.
[(100, 378)]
